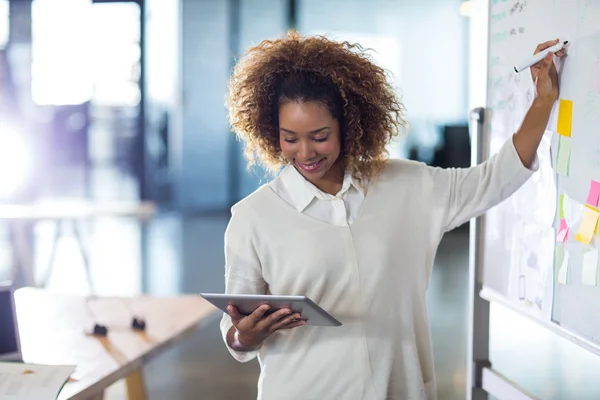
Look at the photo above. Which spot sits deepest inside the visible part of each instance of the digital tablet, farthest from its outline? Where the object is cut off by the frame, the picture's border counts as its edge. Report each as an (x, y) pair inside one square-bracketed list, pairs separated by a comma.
[(247, 303)]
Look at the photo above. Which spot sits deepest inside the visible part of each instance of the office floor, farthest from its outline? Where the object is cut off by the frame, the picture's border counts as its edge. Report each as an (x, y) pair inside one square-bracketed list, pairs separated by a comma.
[(173, 255)]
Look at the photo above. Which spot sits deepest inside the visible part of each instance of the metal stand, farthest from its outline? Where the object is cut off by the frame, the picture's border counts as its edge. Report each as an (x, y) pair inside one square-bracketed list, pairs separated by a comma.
[(478, 346), (481, 377)]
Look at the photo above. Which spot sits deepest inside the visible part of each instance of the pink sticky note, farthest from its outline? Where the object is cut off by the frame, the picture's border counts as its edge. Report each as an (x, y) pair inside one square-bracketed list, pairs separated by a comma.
[(563, 231), (594, 194)]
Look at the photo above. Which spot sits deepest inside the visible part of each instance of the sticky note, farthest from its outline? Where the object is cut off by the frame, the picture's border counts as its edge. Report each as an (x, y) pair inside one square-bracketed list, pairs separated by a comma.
[(589, 271), (562, 262), (588, 225), (565, 116), (594, 194), (559, 255), (561, 206), (564, 155), (563, 231)]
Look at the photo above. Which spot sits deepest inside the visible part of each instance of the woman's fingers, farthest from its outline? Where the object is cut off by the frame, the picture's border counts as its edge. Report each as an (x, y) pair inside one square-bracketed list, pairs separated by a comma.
[(294, 324), (280, 319), (284, 322), (234, 314), (545, 67), (545, 45), (266, 322), (258, 314)]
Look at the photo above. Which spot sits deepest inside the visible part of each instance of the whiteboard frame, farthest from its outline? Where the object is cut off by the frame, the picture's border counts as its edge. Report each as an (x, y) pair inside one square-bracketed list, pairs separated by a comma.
[(478, 318), (492, 295), (503, 388)]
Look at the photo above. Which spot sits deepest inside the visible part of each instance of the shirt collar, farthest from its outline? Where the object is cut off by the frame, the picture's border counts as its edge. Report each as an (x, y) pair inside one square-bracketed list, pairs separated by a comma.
[(302, 192)]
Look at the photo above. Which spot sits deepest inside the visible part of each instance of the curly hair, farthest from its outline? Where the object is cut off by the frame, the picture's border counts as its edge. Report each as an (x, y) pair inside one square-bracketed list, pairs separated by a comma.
[(341, 76)]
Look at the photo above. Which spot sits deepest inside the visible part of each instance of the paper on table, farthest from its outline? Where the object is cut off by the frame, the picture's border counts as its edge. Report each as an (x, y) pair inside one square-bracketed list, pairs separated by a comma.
[(564, 155), (562, 263), (563, 231), (565, 116), (594, 194), (588, 225), (589, 271), (20, 381)]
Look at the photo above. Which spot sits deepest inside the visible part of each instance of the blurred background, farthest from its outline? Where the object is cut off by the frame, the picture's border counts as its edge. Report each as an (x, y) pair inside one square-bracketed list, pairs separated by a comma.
[(119, 106)]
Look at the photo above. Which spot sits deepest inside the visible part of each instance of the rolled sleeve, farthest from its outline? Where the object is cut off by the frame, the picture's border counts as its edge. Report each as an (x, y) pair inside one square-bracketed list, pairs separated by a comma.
[(470, 192), (243, 272)]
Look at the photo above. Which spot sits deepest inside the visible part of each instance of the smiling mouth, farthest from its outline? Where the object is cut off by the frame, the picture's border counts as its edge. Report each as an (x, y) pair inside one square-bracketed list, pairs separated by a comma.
[(310, 167)]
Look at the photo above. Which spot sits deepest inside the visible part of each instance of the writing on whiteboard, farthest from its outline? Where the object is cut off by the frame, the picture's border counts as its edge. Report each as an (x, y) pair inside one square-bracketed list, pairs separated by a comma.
[(498, 16), (500, 36), (519, 6), (517, 31), (497, 82)]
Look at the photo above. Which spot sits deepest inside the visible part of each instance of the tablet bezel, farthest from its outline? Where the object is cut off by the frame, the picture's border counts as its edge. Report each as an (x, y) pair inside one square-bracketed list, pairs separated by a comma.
[(246, 303)]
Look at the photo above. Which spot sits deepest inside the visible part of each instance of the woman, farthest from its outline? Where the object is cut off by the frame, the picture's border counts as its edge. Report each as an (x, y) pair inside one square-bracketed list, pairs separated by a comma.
[(341, 224)]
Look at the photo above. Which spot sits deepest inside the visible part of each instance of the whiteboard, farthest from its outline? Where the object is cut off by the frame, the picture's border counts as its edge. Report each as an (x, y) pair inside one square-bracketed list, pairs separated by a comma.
[(522, 259)]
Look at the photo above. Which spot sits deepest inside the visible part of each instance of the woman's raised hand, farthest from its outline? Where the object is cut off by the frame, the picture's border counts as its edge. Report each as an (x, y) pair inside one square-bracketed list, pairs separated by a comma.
[(544, 73)]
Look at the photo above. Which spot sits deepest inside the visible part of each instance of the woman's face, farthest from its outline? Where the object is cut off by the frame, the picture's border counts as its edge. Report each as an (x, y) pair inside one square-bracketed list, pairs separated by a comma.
[(309, 137)]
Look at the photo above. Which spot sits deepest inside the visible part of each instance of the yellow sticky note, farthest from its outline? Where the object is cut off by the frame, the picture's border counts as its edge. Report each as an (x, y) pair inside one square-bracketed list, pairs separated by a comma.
[(561, 207), (565, 117), (589, 271), (588, 225)]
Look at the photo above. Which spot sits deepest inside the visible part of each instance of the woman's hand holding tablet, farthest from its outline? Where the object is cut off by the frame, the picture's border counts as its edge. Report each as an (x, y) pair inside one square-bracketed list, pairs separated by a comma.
[(253, 329)]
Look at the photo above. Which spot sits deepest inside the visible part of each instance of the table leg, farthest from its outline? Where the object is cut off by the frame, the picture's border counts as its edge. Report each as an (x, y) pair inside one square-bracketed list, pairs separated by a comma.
[(84, 255), (58, 228), (99, 396), (136, 389), (22, 251)]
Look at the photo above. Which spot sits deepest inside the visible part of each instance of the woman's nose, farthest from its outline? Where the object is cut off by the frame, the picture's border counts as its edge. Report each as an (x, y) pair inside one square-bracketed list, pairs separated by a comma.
[(306, 151)]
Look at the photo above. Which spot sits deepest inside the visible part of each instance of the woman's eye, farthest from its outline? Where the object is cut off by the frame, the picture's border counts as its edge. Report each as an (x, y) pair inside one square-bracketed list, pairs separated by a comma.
[(320, 139), (290, 140)]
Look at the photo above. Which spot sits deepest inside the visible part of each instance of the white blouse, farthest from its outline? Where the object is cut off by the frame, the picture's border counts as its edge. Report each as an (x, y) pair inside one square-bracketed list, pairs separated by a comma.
[(305, 197), (371, 273)]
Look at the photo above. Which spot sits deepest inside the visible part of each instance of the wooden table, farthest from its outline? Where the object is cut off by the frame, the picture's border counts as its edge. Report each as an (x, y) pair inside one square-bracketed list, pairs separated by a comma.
[(52, 330)]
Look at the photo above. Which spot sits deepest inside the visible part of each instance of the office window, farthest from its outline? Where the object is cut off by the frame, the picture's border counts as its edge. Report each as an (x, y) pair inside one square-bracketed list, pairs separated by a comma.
[(4, 23), (61, 52), (83, 51)]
